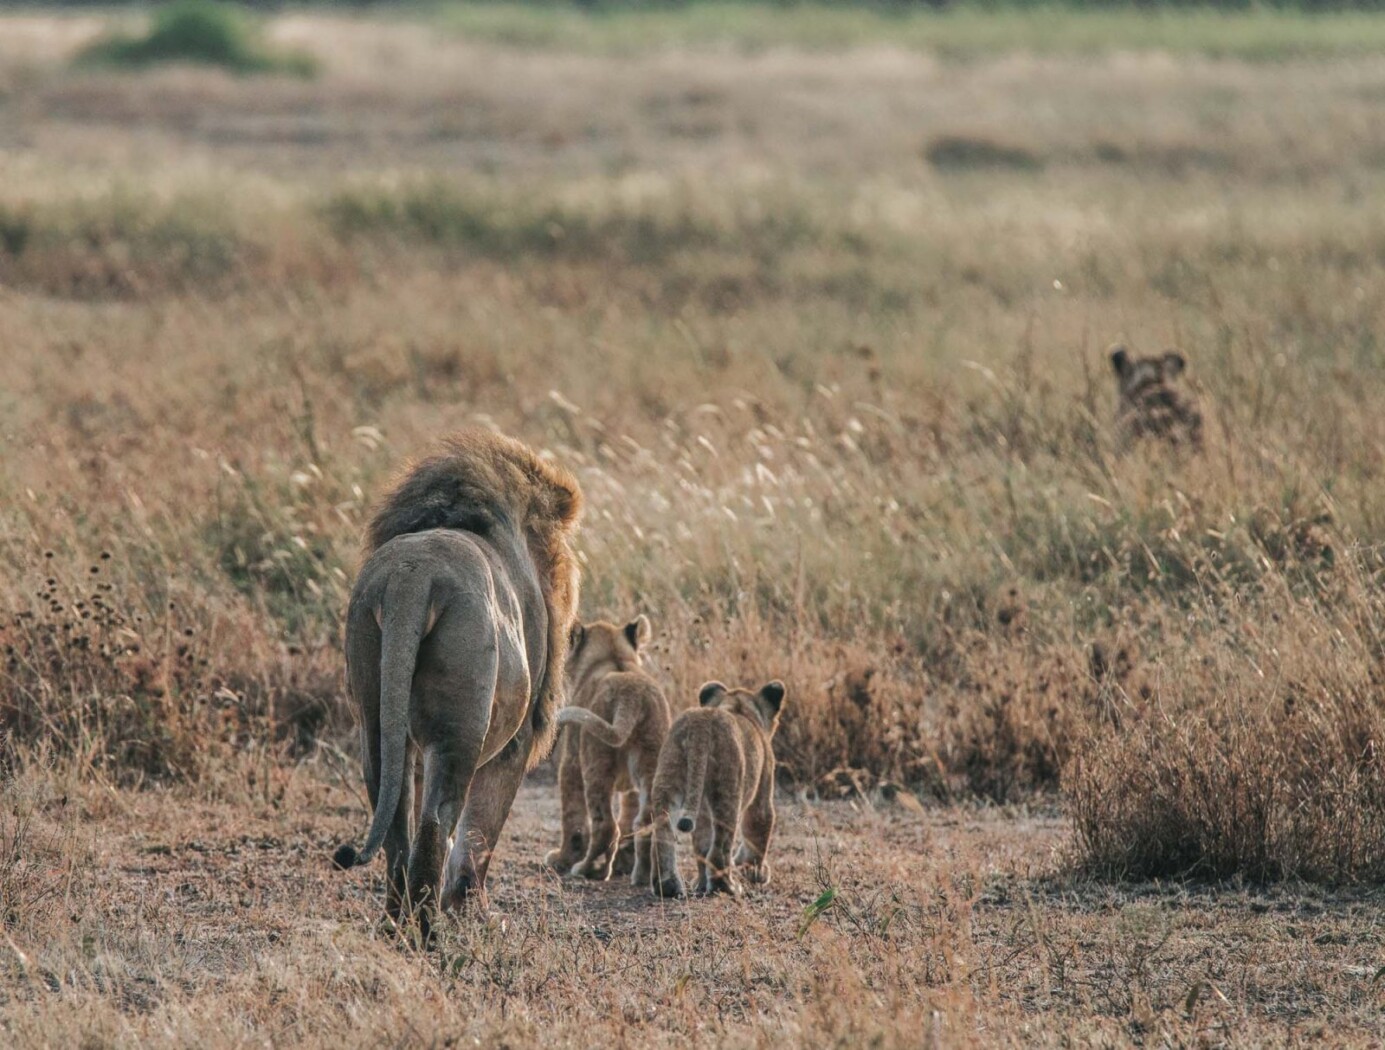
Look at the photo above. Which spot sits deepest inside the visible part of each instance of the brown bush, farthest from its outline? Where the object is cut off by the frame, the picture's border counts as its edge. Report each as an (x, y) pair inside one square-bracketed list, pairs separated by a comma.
[(1276, 773), (129, 680)]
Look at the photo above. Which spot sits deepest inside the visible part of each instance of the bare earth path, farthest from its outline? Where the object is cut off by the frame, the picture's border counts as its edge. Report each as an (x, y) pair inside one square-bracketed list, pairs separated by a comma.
[(955, 924)]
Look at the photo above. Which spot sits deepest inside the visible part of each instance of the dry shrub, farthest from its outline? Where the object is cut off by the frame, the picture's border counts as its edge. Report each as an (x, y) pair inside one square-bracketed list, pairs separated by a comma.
[(37, 859), (1013, 718), (511, 225), (1259, 756), (120, 675), (91, 669), (856, 725), (996, 717), (853, 718), (119, 246)]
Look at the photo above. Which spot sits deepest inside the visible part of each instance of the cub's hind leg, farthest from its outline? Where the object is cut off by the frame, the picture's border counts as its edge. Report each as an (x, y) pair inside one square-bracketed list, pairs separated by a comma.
[(704, 843), (666, 796), (723, 823), (757, 826), (598, 775), (624, 862), (572, 803), (643, 767)]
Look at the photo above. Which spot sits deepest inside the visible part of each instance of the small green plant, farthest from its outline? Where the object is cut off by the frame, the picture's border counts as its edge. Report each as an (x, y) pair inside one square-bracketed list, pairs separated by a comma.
[(814, 911), (206, 32)]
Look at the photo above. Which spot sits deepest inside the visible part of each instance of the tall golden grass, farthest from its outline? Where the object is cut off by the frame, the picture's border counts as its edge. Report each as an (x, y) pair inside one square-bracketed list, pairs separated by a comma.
[(849, 430), (929, 554)]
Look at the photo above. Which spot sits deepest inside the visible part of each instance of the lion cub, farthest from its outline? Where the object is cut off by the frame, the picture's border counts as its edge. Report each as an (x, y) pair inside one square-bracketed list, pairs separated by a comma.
[(1149, 405), (716, 779), (623, 718)]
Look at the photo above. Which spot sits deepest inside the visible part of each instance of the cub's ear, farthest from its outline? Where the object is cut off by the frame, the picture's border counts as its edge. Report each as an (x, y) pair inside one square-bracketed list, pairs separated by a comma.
[(773, 695), (1120, 360), (710, 693), (638, 632), (575, 638), (1173, 364)]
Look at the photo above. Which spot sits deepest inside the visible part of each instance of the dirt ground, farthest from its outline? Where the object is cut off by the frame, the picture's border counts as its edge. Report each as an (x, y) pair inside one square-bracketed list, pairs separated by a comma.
[(952, 922)]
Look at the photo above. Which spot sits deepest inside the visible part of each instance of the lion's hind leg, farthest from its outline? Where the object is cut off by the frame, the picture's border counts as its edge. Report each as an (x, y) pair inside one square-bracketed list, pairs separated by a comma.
[(704, 839), (487, 808), (448, 771), (425, 871)]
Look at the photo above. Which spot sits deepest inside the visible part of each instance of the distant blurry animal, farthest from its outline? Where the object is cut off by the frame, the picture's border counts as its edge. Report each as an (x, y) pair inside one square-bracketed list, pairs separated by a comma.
[(456, 635), (716, 779), (617, 720), (1149, 404)]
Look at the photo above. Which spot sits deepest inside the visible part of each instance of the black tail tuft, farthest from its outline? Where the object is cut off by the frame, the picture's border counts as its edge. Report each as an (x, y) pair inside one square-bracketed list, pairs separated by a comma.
[(685, 823), (344, 858)]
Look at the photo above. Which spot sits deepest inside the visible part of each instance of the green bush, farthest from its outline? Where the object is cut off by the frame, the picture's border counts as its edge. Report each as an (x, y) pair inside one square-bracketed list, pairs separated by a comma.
[(207, 32)]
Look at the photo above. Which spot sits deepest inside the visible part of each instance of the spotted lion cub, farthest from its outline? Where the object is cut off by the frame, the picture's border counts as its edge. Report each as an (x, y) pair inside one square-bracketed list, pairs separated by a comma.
[(716, 779), (1150, 404), (617, 723)]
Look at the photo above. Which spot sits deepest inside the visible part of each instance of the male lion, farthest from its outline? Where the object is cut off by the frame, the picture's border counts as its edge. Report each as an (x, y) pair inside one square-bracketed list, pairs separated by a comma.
[(716, 779), (1149, 404), (455, 639), (623, 718)]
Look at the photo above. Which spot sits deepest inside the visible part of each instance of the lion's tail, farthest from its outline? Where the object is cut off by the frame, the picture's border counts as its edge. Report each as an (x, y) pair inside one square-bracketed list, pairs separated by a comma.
[(402, 627), (612, 734), (694, 781)]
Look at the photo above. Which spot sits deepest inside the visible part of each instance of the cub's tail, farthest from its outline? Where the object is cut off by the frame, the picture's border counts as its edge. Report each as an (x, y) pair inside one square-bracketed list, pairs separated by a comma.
[(612, 734), (694, 781)]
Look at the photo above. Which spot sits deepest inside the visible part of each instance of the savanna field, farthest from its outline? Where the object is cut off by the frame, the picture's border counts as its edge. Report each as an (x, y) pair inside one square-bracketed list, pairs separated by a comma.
[(1082, 743)]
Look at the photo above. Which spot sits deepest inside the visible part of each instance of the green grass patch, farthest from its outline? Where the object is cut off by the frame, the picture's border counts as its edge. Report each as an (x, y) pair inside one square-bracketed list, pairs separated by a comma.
[(503, 225), (203, 32)]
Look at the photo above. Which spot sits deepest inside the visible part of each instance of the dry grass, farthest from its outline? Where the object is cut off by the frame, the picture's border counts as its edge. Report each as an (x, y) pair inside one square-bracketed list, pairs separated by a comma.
[(957, 32), (824, 338), (217, 912)]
